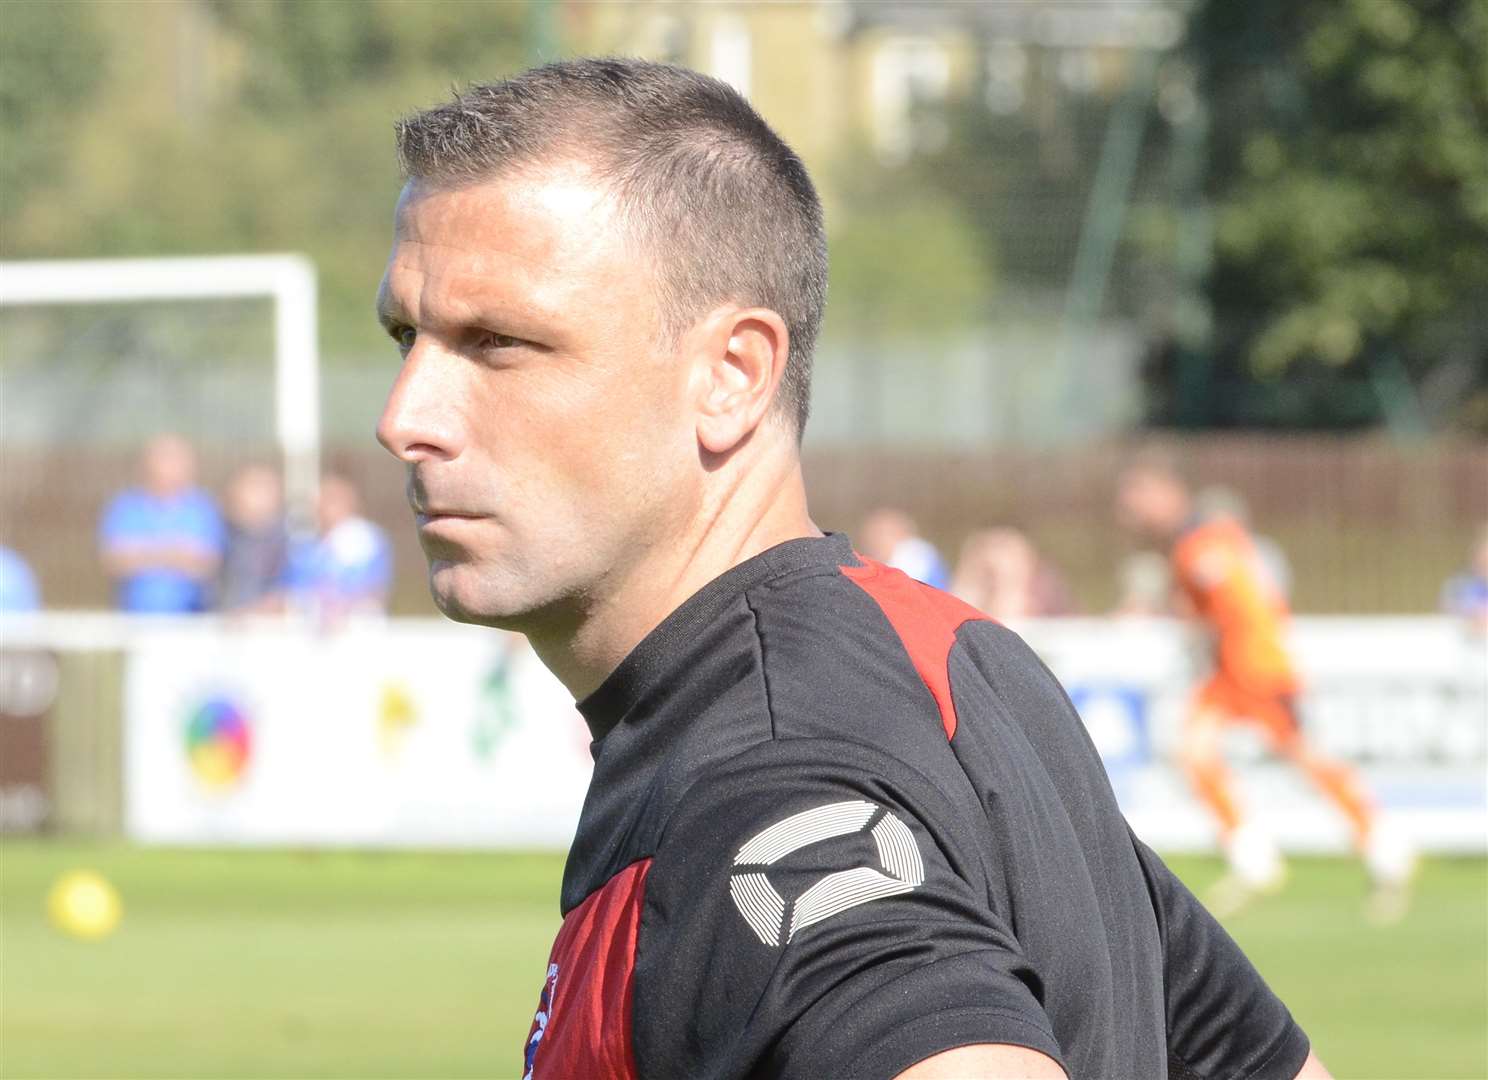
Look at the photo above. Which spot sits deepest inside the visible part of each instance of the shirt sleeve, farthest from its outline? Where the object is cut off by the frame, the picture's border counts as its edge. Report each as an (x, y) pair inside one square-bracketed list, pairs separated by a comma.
[(210, 529), (117, 527), (1223, 1021), (372, 578), (359, 562), (812, 912)]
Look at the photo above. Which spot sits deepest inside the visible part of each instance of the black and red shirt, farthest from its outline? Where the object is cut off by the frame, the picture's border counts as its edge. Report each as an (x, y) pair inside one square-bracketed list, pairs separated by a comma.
[(841, 822)]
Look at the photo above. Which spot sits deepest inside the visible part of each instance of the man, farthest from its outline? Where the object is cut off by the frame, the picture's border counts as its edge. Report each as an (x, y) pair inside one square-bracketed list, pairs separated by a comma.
[(891, 537), (1001, 574), (1219, 501), (19, 591), (1465, 595), (348, 568), (839, 825), (257, 550), (161, 543), (1228, 586)]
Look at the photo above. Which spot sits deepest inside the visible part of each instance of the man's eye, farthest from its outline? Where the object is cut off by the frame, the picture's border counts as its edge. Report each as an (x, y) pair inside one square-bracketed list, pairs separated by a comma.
[(490, 339), (405, 336)]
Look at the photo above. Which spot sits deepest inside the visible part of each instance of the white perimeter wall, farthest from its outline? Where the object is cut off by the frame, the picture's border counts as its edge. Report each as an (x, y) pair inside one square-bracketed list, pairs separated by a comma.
[(421, 732)]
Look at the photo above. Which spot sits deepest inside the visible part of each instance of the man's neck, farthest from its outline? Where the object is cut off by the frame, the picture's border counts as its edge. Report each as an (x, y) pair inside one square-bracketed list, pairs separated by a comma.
[(739, 525)]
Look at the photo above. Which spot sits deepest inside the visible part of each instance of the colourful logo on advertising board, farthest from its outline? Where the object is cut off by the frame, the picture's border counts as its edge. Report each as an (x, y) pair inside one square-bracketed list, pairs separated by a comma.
[(396, 714), (495, 712), (219, 741)]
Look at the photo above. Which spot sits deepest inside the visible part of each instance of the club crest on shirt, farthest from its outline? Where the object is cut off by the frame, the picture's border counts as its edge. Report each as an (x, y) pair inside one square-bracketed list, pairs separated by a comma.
[(540, 1021), (774, 921)]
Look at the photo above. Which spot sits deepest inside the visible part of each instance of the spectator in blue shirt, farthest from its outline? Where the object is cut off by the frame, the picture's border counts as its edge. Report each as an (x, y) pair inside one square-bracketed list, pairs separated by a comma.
[(1466, 595), (18, 589), (162, 542), (348, 568)]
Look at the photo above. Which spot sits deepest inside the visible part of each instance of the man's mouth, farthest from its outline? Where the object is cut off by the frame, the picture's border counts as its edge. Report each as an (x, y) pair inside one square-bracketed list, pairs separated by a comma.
[(431, 515)]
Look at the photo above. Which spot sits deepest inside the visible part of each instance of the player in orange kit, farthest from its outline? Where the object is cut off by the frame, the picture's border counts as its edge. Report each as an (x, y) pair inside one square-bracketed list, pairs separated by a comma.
[(1222, 580)]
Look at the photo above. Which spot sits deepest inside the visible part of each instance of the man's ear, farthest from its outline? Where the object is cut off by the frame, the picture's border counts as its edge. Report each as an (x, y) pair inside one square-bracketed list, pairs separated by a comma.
[(739, 357)]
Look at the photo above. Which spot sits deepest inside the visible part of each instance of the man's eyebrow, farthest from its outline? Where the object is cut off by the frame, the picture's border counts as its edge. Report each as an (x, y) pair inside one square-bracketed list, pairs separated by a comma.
[(389, 311)]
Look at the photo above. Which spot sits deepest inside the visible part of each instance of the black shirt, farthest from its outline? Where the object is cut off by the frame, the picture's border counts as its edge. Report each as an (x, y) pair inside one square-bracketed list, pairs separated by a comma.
[(841, 822)]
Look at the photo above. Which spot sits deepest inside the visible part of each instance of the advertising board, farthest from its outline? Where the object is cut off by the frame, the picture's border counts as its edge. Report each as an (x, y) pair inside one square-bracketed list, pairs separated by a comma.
[(1404, 700), (402, 734), (419, 732)]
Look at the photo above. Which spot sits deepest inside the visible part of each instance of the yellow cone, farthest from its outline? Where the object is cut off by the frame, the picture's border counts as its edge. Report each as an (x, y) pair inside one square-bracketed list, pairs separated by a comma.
[(84, 904)]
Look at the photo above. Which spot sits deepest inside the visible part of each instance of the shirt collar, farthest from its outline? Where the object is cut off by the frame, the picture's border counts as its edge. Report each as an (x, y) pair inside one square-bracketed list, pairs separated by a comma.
[(663, 652)]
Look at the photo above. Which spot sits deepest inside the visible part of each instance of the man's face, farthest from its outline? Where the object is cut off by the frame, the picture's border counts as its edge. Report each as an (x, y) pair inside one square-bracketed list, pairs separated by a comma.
[(255, 499), (883, 531), (1149, 504), (337, 503), (169, 465), (545, 430)]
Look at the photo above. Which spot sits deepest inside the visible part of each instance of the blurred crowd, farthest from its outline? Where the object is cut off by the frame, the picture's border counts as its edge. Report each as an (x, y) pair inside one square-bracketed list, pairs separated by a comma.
[(1001, 572), (171, 547)]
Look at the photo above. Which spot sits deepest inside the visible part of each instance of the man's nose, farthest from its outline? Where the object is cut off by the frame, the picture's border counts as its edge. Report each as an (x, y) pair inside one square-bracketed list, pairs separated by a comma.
[(420, 420)]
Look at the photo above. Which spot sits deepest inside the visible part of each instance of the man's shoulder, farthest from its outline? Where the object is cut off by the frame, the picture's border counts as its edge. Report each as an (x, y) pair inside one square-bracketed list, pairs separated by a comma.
[(129, 512), (356, 542), (200, 501), (845, 653), (130, 500), (879, 672), (1204, 556), (861, 610)]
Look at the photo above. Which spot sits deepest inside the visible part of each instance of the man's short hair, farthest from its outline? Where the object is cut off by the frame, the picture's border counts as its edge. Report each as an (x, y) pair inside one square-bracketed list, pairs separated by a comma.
[(724, 203)]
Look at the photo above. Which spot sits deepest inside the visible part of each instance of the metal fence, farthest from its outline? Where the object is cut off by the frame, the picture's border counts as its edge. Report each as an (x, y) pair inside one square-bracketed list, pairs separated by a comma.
[(1368, 526)]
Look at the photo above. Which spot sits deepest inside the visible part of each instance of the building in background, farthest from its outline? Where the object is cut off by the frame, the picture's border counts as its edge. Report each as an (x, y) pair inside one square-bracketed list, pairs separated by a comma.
[(1020, 102), (832, 75), (995, 289)]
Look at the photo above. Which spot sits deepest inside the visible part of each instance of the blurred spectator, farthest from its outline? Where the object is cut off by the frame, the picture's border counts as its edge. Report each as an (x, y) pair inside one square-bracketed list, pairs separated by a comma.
[(19, 591), (890, 536), (161, 543), (1466, 595), (257, 555), (1145, 586), (348, 568), (1218, 501), (1001, 573)]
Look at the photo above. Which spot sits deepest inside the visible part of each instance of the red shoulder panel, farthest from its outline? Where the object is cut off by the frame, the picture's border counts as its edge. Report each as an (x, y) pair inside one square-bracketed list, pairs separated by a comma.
[(582, 1027), (925, 619)]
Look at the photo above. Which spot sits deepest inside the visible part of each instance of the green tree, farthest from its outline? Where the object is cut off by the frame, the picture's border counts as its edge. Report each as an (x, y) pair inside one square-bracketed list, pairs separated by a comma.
[(1348, 178), (904, 261), (50, 66), (208, 126)]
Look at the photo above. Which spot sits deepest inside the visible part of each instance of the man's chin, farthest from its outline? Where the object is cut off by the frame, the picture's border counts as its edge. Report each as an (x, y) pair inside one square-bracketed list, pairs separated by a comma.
[(461, 597)]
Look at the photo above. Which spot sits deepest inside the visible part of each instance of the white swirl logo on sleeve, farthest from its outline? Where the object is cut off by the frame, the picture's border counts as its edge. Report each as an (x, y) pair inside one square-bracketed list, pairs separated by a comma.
[(773, 920)]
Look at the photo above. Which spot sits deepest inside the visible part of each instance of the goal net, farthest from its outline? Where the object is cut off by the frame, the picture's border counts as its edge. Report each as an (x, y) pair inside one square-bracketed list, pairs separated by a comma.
[(98, 356)]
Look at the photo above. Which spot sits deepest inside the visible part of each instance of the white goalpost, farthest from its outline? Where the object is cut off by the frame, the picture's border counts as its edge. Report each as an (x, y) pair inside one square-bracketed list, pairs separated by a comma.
[(288, 281)]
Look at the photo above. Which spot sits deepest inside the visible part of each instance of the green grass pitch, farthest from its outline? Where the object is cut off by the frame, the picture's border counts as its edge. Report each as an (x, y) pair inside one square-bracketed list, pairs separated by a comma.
[(286, 964)]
